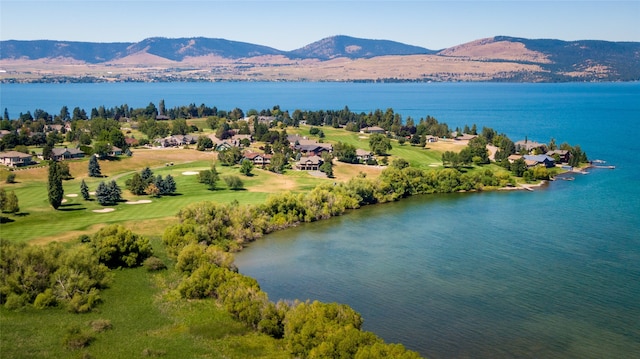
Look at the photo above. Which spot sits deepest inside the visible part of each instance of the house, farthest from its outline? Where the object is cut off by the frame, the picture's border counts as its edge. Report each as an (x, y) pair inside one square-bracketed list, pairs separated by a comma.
[(177, 140), (431, 139), (537, 160), (562, 155), (239, 138), (465, 137), (15, 159), (514, 158), (115, 151), (59, 154), (258, 159), (530, 146), (311, 147), (373, 129), (363, 155), (131, 142), (311, 163)]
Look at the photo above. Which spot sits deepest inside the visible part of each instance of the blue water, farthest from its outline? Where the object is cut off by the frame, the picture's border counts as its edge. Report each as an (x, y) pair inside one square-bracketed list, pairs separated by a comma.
[(545, 274)]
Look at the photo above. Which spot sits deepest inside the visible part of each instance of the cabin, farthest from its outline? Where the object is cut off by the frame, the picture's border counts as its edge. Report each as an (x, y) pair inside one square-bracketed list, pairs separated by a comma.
[(15, 159), (311, 163)]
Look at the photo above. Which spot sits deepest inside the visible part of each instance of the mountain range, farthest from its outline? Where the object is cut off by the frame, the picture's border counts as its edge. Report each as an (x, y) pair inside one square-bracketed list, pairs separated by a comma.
[(336, 58)]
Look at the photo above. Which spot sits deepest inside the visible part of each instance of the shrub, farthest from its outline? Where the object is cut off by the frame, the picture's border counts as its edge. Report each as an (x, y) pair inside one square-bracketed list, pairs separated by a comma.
[(234, 182), (154, 264), (100, 325), (77, 338), (11, 178), (117, 246), (45, 299)]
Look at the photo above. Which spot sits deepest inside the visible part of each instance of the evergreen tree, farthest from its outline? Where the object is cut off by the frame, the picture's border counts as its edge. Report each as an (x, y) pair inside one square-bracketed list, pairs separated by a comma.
[(102, 194), (115, 193), (169, 185), (55, 185), (84, 190), (94, 167), (147, 175)]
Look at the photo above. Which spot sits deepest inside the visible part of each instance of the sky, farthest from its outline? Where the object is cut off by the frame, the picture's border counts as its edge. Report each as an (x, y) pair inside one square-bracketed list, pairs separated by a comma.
[(291, 24)]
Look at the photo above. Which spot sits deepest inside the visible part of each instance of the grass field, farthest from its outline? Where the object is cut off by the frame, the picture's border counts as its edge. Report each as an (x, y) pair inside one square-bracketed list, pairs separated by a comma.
[(147, 319)]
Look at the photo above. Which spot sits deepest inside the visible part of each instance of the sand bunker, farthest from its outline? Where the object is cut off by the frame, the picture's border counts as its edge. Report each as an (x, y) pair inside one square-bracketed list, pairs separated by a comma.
[(104, 210), (139, 202), (72, 195), (92, 193), (190, 173), (64, 200)]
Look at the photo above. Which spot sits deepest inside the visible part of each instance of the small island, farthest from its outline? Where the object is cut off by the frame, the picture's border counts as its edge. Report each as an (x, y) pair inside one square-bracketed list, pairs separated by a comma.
[(131, 217)]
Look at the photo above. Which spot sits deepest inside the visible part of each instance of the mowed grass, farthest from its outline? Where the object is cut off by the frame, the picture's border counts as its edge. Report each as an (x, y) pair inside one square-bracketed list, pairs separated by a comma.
[(39, 222), (147, 319)]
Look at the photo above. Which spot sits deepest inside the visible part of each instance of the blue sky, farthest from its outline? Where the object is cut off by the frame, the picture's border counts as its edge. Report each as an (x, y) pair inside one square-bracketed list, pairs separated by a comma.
[(287, 25)]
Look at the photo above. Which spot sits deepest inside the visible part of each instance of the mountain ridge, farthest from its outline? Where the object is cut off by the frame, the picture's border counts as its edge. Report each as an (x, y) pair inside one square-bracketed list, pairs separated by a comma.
[(524, 59)]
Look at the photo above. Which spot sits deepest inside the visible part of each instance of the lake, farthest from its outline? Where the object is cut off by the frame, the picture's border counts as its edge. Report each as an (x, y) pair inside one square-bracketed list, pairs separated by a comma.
[(549, 273)]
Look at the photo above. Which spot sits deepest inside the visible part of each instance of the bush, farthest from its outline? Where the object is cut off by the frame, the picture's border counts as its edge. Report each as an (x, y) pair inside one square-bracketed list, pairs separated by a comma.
[(45, 299), (234, 182), (154, 264), (76, 338), (117, 246), (11, 178), (100, 325)]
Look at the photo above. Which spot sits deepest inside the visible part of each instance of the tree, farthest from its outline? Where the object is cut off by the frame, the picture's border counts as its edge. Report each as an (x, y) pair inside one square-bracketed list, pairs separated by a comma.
[(11, 178), (55, 190), (101, 149), (379, 144), (234, 182), (64, 171), (518, 167), (278, 163), (246, 167), (117, 246), (84, 190), (230, 157), (209, 177), (146, 175), (152, 190), (94, 167), (204, 143), (136, 184), (10, 205), (345, 152), (109, 193), (327, 164), (169, 185)]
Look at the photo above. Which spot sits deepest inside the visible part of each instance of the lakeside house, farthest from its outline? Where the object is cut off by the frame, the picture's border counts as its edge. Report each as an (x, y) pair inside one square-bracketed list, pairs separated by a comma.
[(563, 156), (311, 163), (537, 160), (15, 159), (530, 146)]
